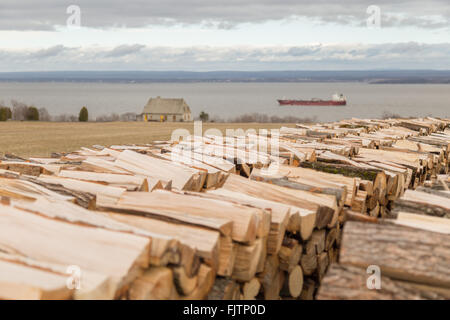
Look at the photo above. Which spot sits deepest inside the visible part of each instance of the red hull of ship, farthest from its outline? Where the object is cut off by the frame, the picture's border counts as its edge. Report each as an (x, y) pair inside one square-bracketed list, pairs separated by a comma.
[(311, 103)]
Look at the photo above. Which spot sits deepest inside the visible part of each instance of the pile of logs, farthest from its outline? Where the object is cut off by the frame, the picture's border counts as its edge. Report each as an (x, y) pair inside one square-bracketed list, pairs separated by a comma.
[(209, 218)]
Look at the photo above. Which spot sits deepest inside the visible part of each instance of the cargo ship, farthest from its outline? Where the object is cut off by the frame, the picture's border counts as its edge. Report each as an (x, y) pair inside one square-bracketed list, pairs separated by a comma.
[(336, 100)]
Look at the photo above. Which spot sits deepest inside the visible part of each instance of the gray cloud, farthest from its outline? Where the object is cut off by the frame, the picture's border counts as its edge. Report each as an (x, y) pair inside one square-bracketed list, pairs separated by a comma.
[(46, 53), (410, 55), (46, 14), (124, 50)]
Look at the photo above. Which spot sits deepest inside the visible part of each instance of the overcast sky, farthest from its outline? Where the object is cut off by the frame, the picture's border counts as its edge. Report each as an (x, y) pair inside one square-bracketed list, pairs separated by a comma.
[(223, 35)]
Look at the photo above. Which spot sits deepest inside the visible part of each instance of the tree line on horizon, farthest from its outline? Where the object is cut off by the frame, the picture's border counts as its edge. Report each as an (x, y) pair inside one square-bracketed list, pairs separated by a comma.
[(20, 111)]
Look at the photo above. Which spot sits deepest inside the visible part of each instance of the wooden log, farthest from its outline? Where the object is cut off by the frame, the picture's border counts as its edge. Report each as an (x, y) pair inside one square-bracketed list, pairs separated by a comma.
[(184, 284), (272, 288), (164, 249), (337, 194), (227, 257), (306, 175), (271, 267), (105, 195), (344, 282), (322, 265), (359, 203), (308, 263), (330, 238), (290, 254), (223, 289), (89, 285), (316, 244), (206, 278), (346, 170), (423, 222), (423, 203), (263, 216), (356, 216), (283, 195), (181, 176), (27, 168), (26, 190), (31, 188), (130, 182), (375, 175), (155, 283), (117, 254), (309, 289), (211, 213), (299, 184), (280, 214), (247, 259), (441, 193), (293, 283), (251, 289), (192, 241), (19, 282), (401, 252)]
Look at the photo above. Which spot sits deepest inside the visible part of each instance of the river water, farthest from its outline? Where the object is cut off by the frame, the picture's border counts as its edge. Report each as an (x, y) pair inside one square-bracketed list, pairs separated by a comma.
[(226, 100)]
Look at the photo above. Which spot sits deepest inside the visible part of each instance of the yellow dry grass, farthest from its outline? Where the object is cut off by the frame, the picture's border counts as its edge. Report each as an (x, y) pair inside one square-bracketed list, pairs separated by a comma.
[(40, 139)]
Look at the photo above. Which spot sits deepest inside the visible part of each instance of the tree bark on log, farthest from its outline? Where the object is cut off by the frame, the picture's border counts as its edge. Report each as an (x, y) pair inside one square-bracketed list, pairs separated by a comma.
[(344, 282), (401, 252)]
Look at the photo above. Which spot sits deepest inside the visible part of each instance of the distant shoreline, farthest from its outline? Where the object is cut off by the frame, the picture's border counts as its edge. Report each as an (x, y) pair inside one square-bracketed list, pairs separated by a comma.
[(369, 76), (447, 81)]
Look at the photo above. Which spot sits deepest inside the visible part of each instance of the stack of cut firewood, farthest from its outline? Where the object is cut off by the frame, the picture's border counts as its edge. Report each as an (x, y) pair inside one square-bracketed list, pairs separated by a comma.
[(224, 218)]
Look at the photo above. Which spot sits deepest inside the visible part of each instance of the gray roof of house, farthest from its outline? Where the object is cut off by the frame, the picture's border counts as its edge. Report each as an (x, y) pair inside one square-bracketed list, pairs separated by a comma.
[(163, 105)]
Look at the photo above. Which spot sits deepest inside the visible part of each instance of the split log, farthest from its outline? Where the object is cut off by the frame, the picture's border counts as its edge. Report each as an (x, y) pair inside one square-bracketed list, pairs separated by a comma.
[(118, 255), (423, 222), (316, 245), (309, 289), (18, 282), (330, 238), (344, 282), (164, 249), (286, 196), (293, 283), (230, 219), (271, 266), (322, 265), (155, 283), (130, 182), (359, 203), (401, 252), (251, 289), (183, 283), (192, 241), (247, 259), (299, 184), (423, 203), (227, 257), (305, 175), (308, 263), (206, 278), (104, 194), (223, 289), (280, 214), (90, 286), (290, 254), (182, 177)]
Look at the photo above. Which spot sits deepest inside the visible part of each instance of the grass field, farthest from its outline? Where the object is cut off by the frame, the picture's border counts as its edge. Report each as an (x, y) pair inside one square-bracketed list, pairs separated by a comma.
[(36, 139)]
